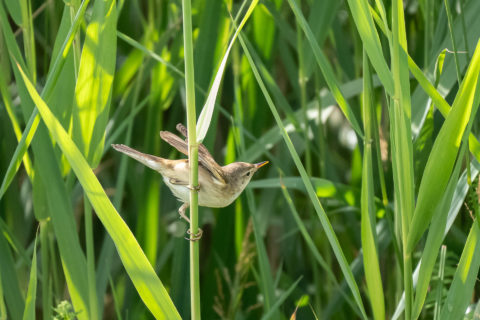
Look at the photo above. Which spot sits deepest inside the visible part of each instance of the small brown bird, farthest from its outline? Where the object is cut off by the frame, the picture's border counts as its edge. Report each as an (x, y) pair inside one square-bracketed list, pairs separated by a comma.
[(218, 186)]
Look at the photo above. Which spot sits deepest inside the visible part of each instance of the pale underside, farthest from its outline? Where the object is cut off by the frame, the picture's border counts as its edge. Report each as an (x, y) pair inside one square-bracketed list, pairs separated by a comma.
[(176, 178)]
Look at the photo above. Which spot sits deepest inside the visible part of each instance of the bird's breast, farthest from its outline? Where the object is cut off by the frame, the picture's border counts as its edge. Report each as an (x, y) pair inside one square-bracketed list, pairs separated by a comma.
[(213, 193)]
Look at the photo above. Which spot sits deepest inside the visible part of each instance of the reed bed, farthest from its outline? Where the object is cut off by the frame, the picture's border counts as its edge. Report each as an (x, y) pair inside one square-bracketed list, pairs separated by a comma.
[(366, 111)]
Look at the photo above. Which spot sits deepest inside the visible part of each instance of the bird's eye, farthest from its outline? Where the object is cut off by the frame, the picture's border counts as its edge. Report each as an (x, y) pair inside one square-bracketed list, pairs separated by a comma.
[(248, 174)]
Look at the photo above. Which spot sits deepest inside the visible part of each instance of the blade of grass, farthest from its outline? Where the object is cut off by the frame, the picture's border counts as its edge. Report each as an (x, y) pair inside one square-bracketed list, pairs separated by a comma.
[(461, 190), (60, 208), (266, 284), (360, 12), (336, 302), (281, 300), (302, 93), (45, 262), (272, 136), (327, 70), (446, 146), (434, 239), (52, 77), (207, 110), (440, 102), (213, 33), (440, 41), (107, 252), (323, 188), (94, 82), (13, 8), (454, 43), (14, 299), (29, 312), (3, 308), (461, 289), (437, 98), (91, 108), (28, 37), (401, 144), (7, 102), (311, 245), (306, 180), (265, 278), (280, 100), (373, 276), (439, 290), (148, 285)]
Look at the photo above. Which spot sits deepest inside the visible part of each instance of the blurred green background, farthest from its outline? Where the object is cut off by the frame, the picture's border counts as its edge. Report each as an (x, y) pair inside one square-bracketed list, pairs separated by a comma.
[(268, 255)]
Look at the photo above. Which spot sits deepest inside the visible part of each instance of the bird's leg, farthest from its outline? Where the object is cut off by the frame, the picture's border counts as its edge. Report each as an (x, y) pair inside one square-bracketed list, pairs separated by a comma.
[(181, 211), (181, 183), (193, 237)]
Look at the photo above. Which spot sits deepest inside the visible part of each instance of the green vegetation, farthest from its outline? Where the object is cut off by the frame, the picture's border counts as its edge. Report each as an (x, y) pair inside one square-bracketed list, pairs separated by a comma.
[(366, 111)]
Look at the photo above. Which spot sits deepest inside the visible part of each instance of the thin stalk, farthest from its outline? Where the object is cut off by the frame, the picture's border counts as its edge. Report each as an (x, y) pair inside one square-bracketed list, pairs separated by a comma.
[(76, 44), (302, 82), (192, 158), (464, 28), (368, 219), (34, 120), (429, 16), (239, 133), (322, 145), (454, 43), (3, 308), (441, 272), (457, 69), (92, 292), (28, 37), (8, 104), (45, 276), (402, 146)]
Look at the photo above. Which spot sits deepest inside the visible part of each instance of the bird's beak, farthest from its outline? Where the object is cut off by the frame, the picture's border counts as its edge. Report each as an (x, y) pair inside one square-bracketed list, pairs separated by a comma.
[(260, 164)]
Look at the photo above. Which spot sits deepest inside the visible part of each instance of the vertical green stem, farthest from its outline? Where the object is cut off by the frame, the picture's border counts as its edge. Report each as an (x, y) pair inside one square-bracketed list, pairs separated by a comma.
[(192, 158), (28, 37), (454, 43), (464, 28), (373, 275), (457, 66), (3, 308), (302, 82), (46, 278), (441, 272), (402, 153), (92, 288)]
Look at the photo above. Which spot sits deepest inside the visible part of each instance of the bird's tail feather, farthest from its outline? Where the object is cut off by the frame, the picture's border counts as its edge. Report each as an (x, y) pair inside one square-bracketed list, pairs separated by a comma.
[(150, 161)]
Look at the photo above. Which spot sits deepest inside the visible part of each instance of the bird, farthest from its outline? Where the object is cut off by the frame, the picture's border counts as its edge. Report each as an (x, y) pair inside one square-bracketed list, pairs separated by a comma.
[(218, 186)]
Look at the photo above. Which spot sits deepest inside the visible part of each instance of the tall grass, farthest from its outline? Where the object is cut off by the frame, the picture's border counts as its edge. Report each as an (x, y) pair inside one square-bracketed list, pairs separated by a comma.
[(367, 112)]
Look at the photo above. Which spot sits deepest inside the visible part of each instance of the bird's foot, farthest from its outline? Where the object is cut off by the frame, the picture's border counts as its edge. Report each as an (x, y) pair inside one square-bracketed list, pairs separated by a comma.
[(194, 237), (181, 212)]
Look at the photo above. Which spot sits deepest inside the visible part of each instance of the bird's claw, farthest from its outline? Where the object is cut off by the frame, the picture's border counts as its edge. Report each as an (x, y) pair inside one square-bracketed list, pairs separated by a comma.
[(194, 188), (194, 237)]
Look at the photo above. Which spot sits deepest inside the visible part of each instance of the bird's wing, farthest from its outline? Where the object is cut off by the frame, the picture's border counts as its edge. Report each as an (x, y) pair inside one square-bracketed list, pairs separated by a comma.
[(204, 156), (202, 150), (175, 141)]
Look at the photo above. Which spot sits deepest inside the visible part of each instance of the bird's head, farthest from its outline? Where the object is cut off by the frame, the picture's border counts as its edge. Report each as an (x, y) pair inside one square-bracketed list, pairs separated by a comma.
[(239, 174)]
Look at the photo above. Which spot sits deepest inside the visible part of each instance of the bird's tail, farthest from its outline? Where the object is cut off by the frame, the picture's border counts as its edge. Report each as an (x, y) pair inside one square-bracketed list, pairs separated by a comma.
[(153, 162)]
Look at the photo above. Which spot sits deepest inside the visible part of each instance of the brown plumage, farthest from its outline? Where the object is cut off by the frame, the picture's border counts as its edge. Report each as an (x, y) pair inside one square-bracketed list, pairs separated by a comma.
[(219, 186)]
